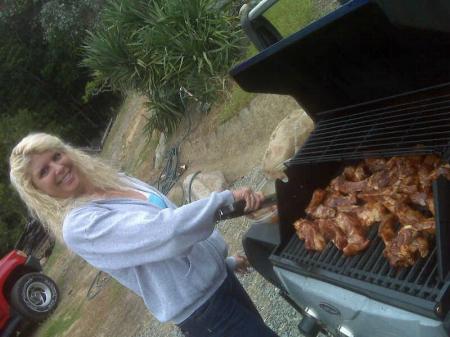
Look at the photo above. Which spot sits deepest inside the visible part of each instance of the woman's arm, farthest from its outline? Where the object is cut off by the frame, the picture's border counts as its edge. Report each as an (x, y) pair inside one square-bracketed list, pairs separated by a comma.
[(139, 233)]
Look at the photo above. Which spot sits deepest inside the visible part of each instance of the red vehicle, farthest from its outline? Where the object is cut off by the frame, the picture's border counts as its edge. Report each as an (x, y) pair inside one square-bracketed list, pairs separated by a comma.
[(26, 294)]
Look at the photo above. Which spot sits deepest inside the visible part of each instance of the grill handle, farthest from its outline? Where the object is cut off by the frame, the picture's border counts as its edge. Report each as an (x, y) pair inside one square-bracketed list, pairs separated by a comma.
[(236, 209), (441, 192)]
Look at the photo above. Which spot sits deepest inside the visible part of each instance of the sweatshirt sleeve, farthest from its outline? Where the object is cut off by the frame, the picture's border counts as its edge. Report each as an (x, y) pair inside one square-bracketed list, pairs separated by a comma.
[(231, 262), (119, 238)]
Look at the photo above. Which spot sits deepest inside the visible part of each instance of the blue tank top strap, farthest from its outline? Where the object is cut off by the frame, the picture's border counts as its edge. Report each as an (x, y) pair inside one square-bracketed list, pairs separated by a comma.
[(156, 200)]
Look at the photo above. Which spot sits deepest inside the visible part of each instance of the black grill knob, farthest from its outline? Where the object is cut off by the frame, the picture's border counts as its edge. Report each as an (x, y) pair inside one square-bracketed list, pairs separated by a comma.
[(309, 326)]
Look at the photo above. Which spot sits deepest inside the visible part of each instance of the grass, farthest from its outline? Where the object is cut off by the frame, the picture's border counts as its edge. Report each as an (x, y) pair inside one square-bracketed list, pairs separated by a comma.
[(57, 250), (237, 101), (288, 16), (59, 324), (115, 291), (75, 308)]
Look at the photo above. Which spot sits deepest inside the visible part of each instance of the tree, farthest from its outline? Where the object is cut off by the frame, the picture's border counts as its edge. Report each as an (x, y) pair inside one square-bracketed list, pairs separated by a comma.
[(42, 86)]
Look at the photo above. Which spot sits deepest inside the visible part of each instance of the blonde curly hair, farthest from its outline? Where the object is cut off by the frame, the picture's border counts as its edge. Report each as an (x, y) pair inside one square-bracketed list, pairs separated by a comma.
[(50, 211)]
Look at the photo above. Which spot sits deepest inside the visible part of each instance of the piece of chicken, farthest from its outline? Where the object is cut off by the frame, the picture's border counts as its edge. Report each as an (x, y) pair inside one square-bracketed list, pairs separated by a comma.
[(419, 198), (355, 173), (406, 247), (406, 215), (430, 204), (354, 231), (332, 233), (310, 232), (316, 199), (370, 213), (335, 199), (386, 229), (323, 212), (340, 184), (375, 164), (427, 226)]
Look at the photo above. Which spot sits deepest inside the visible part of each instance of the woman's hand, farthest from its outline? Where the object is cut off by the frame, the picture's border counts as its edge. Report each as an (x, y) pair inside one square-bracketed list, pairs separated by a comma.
[(252, 199), (242, 264)]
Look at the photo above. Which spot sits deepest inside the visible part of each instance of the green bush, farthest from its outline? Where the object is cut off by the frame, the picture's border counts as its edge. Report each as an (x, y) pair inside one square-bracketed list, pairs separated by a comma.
[(157, 46)]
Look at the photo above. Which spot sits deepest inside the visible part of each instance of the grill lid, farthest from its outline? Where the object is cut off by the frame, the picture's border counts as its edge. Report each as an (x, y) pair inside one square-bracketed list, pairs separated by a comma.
[(355, 54)]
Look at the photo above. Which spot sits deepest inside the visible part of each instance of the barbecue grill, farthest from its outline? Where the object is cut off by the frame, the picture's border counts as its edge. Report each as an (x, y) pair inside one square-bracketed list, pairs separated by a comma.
[(375, 78)]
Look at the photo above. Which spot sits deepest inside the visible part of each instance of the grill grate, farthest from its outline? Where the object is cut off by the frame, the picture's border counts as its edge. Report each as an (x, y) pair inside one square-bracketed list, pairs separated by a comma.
[(421, 280), (421, 125)]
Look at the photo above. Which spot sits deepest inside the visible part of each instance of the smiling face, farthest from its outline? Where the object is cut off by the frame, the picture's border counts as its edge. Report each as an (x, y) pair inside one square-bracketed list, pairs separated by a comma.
[(55, 174)]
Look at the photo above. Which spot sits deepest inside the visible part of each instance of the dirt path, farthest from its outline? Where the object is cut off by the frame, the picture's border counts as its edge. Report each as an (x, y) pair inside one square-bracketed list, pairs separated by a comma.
[(238, 145)]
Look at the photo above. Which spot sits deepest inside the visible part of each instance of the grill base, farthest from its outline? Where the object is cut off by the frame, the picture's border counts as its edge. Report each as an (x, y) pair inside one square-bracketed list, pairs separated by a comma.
[(339, 308), (393, 290)]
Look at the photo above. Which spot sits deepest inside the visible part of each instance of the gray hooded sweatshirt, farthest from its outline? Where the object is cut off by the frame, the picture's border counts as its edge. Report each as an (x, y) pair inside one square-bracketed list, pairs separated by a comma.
[(173, 258)]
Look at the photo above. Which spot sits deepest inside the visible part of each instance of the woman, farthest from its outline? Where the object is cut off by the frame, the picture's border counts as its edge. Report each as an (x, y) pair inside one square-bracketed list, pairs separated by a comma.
[(171, 257)]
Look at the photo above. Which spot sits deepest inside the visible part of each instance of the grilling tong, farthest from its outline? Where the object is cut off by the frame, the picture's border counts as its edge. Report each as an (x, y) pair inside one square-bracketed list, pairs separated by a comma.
[(236, 209)]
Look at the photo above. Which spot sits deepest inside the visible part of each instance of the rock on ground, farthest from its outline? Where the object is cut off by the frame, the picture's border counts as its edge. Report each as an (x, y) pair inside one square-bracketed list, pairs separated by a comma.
[(284, 142), (200, 185)]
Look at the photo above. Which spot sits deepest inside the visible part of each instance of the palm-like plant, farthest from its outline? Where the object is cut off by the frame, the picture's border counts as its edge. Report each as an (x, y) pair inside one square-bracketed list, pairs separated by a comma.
[(156, 46)]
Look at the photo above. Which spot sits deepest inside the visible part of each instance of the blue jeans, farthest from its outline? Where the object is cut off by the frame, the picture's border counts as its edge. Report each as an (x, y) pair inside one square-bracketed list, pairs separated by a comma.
[(228, 313)]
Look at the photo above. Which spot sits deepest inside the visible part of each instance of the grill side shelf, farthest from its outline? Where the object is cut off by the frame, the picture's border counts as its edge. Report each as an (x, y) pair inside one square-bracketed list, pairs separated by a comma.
[(392, 297)]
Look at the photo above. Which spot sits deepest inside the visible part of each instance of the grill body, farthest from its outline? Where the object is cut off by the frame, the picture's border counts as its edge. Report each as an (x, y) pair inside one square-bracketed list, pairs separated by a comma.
[(374, 88)]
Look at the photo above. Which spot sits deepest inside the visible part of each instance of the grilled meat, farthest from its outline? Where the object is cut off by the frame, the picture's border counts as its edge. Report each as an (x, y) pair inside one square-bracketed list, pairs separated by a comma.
[(380, 180), (406, 215), (342, 185), (386, 229), (394, 193), (419, 198), (354, 231), (358, 173), (332, 232), (335, 199), (430, 204), (324, 212), (310, 232), (370, 213), (375, 164), (316, 200), (426, 226), (318, 210), (406, 247)]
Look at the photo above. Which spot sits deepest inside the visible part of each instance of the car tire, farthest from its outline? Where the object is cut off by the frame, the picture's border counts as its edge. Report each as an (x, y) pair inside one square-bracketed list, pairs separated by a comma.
[(34, 296)]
